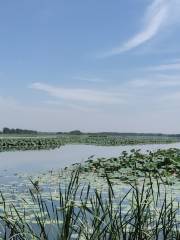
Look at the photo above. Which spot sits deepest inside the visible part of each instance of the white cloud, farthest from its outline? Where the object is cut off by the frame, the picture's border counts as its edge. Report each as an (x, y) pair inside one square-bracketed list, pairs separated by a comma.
[(145, 117), (80, 94), (144, 110), (159, 14), (71, 106), (156, 81), (166, 67), (89, 79)]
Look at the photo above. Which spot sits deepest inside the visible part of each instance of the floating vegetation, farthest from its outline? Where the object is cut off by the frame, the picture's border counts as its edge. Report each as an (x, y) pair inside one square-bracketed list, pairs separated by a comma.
[(37, 143), (132, 197), (129, 167), (79, 211), (29, 143)]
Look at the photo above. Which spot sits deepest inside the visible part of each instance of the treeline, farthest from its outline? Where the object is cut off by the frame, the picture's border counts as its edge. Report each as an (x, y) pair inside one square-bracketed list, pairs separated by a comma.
[(135, 134), (74, 132), (78, 132), (17, 131), (7, 130)]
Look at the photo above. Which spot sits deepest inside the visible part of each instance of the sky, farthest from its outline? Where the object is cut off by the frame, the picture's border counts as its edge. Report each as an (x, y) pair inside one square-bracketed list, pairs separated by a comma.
[(90, 65)]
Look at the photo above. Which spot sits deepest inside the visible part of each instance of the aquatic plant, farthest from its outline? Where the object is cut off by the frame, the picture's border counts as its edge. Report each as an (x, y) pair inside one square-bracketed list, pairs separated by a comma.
[(38, 142), (82, 212), (29, 143), (130, 166)]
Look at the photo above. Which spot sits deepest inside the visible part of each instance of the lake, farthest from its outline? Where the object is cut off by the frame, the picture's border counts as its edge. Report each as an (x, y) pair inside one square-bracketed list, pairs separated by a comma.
[(17, 167), (35, 161)]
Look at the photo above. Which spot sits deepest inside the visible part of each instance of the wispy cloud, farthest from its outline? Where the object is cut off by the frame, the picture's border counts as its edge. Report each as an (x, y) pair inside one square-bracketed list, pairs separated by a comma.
[(71, 106), (161, 83), (80, 94), (156, 81), (89, 79), (157, 15), (166, 67)]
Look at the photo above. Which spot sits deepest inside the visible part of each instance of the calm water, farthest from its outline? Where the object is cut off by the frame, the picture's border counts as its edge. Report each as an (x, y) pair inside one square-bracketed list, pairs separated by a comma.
[(14, 187), (35, 161)]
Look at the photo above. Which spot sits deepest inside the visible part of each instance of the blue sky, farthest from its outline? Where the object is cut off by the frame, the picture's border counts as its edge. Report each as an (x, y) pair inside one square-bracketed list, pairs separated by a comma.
[(90, 65)]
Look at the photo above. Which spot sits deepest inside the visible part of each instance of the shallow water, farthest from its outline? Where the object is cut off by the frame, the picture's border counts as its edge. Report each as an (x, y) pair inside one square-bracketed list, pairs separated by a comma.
[(38, 164), (35, 161)]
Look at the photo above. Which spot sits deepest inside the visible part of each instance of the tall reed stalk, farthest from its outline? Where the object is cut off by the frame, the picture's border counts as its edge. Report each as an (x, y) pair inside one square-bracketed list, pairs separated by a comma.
[(84, 213)]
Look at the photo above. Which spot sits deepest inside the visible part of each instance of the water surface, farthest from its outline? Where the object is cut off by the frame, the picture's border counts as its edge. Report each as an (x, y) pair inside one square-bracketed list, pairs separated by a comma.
[(35, 161)]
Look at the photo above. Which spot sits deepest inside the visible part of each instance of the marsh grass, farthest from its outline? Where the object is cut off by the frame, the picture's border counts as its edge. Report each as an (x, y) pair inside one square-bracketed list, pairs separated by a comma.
[(85, 213)]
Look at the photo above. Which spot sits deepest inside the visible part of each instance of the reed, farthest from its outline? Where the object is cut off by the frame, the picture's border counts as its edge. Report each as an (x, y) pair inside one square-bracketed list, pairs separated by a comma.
[(82, 212)]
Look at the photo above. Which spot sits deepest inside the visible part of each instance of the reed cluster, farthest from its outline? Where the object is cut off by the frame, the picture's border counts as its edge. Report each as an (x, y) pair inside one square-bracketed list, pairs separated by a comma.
[(82, 212)]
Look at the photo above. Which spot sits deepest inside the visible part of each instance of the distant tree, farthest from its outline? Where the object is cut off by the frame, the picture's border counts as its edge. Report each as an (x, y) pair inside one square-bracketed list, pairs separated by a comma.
[(18, 131), (75, 132), (6, 130)]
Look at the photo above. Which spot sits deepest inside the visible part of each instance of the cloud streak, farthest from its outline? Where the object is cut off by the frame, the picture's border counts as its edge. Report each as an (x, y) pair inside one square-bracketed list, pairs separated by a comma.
[(166, 67), (89, 79), (156, 81), (142, 83), (157, 15), (79, 94)]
